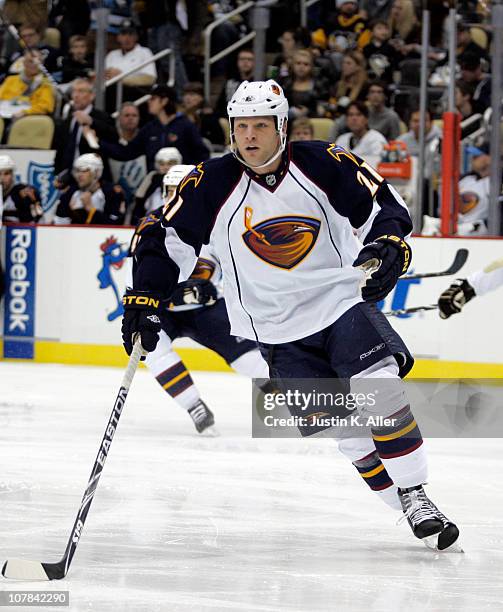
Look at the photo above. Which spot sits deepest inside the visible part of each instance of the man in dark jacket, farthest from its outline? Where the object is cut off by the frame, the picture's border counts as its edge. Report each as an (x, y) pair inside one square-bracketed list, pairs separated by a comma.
[(69, 137), (168, 129)]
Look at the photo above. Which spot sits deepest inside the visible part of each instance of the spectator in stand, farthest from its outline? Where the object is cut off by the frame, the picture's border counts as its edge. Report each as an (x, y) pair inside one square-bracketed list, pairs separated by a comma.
[(71, 18), (245, 65), (382, 118), (126, 57), (477, 81), (29, 92), (149, 194), (302, 89), (343, 30), (365, 142), (19, 13), (464, 99), (411, 138), (90, 200), (290, 40), (225, 34), (467, 46), (167, 23), (302, 129), (118, 12), (381, 56), (31, 36), (78, 63), (168, 128), (128, 122), (21, 202), (201, 114), (69, 139), (406, 32), (350, 86)]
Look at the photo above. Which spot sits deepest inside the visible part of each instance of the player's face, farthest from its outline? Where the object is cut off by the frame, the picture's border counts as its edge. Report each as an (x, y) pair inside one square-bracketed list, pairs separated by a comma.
[(6, 179), (84, 178), (256, 138)]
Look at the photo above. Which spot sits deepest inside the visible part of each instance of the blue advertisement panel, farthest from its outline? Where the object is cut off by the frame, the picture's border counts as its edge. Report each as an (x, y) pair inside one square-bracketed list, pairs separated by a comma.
[(19, 316)]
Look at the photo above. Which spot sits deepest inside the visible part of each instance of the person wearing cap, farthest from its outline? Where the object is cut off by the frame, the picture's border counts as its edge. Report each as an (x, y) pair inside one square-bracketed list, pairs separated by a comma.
[(201, 114), (168, 128), (294, 228)]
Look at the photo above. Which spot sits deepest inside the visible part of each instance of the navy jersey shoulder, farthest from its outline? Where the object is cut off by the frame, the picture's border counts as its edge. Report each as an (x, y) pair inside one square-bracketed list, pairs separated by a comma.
[(352, 187)]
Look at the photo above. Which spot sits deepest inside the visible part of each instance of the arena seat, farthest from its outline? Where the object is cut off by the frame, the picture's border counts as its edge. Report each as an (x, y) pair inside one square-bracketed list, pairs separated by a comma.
[(31, 132), (321, 127)]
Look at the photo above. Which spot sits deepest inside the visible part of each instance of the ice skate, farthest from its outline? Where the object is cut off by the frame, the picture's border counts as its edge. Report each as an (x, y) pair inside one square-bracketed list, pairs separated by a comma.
[(427, 522), (203, 419)]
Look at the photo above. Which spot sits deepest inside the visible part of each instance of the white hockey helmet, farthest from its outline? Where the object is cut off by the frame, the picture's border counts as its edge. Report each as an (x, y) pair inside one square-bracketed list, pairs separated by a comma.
[(174, 177), (259, 99), (89, 161), (167, 154), (7, 163)]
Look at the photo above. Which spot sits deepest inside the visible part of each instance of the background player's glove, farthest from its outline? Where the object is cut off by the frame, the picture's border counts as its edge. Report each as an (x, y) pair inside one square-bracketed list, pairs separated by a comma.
[(454, 298), (142, 315), (194, 291), (395, 257)]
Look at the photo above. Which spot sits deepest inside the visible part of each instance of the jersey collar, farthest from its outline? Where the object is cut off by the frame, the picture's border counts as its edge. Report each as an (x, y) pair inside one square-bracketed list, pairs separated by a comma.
[(271, 180)]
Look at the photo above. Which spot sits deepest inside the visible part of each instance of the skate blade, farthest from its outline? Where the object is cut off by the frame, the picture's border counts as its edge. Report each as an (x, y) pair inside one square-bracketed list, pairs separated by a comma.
[(210, 432), (431, 543)]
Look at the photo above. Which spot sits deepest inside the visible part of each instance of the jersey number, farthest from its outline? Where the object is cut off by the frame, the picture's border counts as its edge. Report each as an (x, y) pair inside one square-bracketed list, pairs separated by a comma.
[(366, 182)]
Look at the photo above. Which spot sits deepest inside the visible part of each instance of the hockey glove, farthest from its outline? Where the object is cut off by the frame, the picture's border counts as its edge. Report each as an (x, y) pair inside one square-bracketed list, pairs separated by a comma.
[(395, 257), (142, 315), (454, 298), (194, 291)]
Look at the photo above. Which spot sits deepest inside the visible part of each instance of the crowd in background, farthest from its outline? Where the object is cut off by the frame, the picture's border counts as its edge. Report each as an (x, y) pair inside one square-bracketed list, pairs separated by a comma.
[(355, 66)]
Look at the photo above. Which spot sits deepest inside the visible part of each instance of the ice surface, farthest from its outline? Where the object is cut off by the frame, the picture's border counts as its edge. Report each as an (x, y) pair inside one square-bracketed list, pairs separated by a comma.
[(186, 523)]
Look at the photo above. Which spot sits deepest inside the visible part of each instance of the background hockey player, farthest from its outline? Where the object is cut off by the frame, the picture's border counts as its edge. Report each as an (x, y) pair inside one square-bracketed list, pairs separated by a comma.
[(91, 200), (282, 224), (196, 310), (21, 202), (149, 195), (452, 300)]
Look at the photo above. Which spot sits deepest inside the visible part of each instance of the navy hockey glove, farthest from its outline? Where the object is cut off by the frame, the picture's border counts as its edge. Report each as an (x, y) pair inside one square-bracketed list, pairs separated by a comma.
[(452, 300), (142, 315), (395, 257), (194, 291)]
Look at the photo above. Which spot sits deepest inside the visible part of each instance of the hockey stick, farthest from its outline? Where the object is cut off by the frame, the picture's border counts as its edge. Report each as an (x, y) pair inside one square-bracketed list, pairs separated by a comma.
[(459, 261), (402, 311), (22, 569)]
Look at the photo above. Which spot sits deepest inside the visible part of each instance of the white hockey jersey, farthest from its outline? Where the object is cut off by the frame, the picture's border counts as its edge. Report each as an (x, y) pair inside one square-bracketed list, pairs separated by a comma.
[(286, 241), (488, 279)]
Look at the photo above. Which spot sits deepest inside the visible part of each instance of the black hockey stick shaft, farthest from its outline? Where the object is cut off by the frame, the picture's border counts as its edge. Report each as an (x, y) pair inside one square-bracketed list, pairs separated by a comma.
[(99, 463), (459, 261), (404, 311), (35, 570)]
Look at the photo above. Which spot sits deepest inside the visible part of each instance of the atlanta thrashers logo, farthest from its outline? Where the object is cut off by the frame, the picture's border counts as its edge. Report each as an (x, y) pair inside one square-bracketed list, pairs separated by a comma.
[(468, 201), (283, 241)]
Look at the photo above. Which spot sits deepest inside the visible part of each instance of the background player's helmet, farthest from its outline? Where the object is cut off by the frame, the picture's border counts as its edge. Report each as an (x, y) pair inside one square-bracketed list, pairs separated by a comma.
[(166, 155), (89, 161), (174, 176), (7, 163), (259, 99)]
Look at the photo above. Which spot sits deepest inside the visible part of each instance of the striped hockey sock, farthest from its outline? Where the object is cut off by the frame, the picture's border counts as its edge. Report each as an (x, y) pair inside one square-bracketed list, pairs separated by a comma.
[(177, 381)]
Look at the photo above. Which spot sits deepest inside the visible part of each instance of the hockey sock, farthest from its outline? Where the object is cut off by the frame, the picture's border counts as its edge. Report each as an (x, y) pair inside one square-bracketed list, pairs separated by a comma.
[(178, 383), (373, 472), (401, 450)]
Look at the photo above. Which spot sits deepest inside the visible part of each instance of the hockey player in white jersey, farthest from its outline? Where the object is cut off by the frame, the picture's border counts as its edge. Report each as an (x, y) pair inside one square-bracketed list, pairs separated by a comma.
[(291, 227), (196, 310), (452, 300)]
